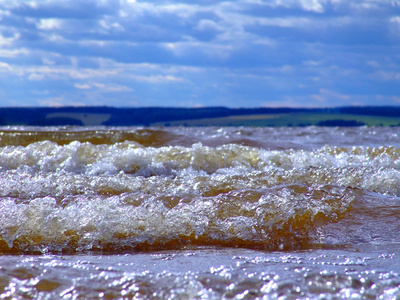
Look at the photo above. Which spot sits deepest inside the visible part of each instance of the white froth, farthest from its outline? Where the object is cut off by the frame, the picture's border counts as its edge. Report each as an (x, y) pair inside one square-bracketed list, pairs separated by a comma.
[(90, 223), (130, 158), (45, 168), (86, 195)]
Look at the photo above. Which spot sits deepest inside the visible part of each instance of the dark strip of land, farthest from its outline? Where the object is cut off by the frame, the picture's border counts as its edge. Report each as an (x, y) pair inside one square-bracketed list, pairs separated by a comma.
[(205, 116)]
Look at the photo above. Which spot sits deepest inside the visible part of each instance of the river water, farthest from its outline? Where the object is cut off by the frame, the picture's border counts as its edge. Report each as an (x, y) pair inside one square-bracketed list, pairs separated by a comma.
[(199, 213)]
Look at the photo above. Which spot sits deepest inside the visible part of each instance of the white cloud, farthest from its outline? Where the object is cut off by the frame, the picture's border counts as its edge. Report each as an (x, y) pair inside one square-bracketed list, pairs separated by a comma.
[(111, 87), (287, 102), (157, 79), (326, 96), (282, 48), (312, 63), (55, 38), (5, 67), (395, 27), (387, 75), (47, 61), (395, 20), (34, 77), (313, 5), (53, 102), (82, 86), (49, 24), (8, 41)]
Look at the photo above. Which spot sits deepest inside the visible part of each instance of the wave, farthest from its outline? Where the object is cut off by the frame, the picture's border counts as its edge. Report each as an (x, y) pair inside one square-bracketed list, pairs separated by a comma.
[(82, 196), (277, 218), (199, 168)]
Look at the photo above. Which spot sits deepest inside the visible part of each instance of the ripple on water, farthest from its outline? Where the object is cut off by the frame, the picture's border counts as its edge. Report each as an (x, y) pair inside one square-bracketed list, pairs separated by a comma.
[(211, 273)]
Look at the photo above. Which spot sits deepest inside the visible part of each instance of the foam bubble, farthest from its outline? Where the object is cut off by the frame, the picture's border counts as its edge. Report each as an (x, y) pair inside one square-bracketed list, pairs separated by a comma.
[(259, 218), (126, 195)]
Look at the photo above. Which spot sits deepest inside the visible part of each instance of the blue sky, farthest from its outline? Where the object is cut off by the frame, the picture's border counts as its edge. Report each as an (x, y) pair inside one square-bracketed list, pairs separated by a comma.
[(300, 53)]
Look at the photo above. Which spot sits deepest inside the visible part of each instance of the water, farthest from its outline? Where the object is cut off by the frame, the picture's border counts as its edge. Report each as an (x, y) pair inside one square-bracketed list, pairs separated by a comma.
[(199, 213)]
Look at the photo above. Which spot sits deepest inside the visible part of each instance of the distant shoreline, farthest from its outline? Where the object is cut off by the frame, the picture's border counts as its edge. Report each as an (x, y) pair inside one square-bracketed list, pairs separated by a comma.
[(204, 116)]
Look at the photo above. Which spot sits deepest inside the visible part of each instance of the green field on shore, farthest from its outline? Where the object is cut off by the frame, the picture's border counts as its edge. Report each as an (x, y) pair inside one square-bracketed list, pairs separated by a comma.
[(205, 116)]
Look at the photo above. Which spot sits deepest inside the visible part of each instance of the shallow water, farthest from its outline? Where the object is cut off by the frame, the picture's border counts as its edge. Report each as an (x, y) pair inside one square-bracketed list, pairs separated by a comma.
[(199, 213), (205, 274)]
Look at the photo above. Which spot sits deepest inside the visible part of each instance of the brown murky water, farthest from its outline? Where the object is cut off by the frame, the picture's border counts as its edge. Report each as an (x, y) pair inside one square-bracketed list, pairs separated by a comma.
[(193, 213)]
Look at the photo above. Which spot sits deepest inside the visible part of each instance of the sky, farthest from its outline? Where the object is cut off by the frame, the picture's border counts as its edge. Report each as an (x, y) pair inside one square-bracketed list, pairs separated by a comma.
[(245, 53)]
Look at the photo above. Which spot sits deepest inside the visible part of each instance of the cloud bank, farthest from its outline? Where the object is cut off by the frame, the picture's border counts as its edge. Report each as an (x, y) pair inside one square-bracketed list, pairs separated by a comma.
[(204, 53)]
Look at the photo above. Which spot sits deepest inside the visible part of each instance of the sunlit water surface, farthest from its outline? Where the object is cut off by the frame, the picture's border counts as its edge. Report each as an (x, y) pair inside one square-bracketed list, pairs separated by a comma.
[(199, 213)]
